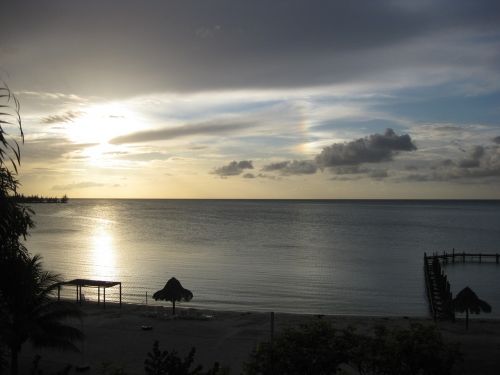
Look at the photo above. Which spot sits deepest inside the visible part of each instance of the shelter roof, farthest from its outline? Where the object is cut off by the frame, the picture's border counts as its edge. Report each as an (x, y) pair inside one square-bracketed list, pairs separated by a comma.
[(91, 283)]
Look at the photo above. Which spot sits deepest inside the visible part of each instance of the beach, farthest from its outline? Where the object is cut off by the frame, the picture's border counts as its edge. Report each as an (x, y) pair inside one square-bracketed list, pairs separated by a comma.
[(115, 335)]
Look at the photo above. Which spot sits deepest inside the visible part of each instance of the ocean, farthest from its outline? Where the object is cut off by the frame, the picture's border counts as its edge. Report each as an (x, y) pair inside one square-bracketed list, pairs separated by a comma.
[(314, 257)]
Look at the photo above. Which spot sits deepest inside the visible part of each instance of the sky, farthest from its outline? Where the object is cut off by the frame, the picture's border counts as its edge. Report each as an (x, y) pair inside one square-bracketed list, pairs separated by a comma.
[(256, 99)]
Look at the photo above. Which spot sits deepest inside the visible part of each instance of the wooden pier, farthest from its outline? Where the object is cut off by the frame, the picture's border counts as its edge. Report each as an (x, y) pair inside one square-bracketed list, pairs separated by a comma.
[(436, 282)]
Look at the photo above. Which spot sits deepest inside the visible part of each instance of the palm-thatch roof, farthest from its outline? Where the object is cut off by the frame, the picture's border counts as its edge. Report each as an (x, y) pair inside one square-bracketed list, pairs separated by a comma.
[(468, 300), (173, 291)]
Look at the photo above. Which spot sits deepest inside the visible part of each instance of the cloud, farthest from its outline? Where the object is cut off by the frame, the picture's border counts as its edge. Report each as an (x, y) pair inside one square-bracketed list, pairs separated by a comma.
[(249, 175), (378, 174), (205, 128), (50, 149), (497, 140), (473, 161), (292, 167), (239, 44), (68, 116), (234, 168), (373, 149), (482, 162), (142, 156), (349, 169), (79, 185)]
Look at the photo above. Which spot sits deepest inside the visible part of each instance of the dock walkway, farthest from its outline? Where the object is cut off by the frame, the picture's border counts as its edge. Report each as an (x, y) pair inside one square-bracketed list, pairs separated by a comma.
[(436, 282)]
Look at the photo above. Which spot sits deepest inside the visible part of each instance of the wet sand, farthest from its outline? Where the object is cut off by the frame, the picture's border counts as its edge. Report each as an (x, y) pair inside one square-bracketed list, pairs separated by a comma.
[(115, 335)]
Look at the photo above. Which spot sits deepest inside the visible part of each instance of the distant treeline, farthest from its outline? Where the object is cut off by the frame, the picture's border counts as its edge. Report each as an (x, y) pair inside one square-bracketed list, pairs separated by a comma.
[(40, 199)]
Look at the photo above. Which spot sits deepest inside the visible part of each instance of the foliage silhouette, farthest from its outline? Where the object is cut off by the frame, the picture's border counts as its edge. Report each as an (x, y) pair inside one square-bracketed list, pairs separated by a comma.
[(173, 292), (467, 301), (417, 350), (318, 348), (314, 348), (15, 219), (27, 311), (169, 363)]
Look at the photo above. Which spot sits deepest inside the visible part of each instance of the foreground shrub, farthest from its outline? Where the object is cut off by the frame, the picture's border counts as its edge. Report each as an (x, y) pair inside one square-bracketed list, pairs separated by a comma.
[(315, 348), (417, 350), (169, 363), (318, 348)]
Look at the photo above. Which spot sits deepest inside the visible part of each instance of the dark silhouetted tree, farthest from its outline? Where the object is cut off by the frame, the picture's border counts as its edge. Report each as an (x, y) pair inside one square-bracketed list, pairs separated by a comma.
[(173, 292), (15, 218), (26, 310)]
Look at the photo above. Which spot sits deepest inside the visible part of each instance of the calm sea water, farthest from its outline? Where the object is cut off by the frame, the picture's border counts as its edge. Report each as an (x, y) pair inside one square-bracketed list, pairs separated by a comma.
[(329, 257)]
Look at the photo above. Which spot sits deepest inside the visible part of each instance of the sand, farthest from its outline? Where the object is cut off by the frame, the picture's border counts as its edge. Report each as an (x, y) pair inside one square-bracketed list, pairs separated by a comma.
[(115, 335)]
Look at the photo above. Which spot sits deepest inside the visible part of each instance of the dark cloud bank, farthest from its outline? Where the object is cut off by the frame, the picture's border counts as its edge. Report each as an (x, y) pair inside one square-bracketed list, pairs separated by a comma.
[(340, 158), (234, 168), (127, 47), (373, 149), (482, 162)]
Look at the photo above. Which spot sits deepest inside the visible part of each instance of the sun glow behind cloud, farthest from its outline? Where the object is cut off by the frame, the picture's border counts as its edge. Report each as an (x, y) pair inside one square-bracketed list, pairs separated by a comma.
[(101, 122)]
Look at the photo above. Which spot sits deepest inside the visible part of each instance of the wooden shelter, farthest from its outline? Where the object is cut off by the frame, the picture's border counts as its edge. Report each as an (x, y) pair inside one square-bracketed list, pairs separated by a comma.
[(99, 284)]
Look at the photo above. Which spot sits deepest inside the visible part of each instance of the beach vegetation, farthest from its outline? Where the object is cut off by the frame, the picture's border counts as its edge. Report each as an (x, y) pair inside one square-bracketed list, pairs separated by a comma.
[(27, 311), (163, 362), (319, 348), (174, 292), (467, 301), (313, 348), (419, 349), (36, 370), (15, 218), (108, 368), (21, 198)]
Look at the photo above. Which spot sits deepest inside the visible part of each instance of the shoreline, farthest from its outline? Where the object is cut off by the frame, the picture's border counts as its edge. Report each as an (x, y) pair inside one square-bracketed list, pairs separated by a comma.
[(115, 335)]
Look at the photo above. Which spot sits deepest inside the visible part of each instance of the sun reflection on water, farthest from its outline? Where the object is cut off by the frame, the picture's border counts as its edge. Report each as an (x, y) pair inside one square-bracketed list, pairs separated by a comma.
[(103, 262)]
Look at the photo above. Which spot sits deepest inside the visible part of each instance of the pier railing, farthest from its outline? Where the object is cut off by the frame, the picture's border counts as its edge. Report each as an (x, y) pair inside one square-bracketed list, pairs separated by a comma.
[(438, 287)]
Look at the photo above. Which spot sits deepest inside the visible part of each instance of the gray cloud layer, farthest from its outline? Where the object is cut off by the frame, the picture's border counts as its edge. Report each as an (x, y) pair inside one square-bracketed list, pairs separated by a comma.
[(482, 162), (340, 158), (68, 116), (234, 168), (205, 128), (126, 46), (79, 185), (373, 149), (292, 167)]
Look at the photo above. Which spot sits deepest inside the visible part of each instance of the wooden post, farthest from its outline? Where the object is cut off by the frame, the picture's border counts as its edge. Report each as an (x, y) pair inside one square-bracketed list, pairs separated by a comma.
[(146, 297), (76, 292), (272, 327), (453, 255), (59, 292), (98, 295), (104, 297), (120, 295), (497, 258)]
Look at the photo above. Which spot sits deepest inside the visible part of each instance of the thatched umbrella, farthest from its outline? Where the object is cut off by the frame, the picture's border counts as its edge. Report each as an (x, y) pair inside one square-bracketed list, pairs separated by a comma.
[(173, 291), (466, 300)]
